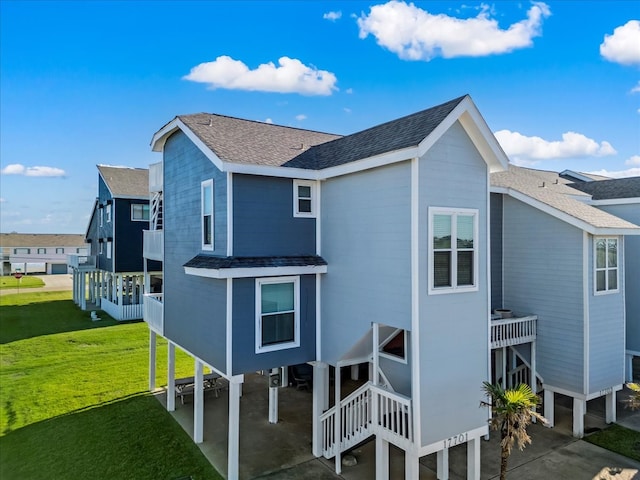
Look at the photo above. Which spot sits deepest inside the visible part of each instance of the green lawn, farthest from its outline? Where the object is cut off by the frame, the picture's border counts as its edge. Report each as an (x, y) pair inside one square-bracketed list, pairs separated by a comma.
[(24, 282), (618, 439), (73, 400)]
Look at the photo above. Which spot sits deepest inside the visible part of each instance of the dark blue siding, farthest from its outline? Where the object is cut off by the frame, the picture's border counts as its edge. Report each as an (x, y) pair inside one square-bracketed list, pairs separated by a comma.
[(263, 221), (105, 230), (496, 250), (244, 329)]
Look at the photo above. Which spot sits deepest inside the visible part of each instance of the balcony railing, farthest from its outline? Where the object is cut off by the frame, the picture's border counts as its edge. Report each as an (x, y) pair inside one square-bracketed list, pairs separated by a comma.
[(153, 244), (81, 261), (513, 331), (153, 312), (155, 177)]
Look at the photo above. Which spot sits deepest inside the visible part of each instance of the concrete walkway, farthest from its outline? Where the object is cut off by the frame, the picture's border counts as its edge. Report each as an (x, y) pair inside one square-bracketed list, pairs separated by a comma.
[(282, 451)]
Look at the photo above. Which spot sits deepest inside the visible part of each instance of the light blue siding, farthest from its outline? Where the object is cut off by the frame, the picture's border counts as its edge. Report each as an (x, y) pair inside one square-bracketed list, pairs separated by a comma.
[(195, 307), (366, 240), (263, 221), (454, 328), (543, 275)]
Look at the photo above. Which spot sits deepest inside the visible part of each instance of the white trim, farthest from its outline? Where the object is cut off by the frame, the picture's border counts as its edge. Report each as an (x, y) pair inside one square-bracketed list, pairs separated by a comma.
[(318, 319), (415, 299), (229, 329), (203, 185), (229, 214), (635, 353), (254, 272), (440, 444), (109, 249), (585, 306), (390, 356), (582, 396), (296, 313), (606, 269), (454, 288), (565, 217), (107, 211), (615, 201), (319, 219), (312, 198), (143, 204)]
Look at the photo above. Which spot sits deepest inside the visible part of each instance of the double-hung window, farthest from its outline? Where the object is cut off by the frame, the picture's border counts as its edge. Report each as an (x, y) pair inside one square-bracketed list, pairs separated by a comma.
[(42, 251), (109, 249), (277, 313), (107, 210), (139, 212), (304, 202), (453, 249), (606, 263), (206, 205)]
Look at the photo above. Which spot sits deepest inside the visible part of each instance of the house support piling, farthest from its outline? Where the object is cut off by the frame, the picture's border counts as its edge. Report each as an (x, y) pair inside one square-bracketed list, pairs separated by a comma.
[(610, 407), (198, 402), (233, 459), (382, 459), (320, 403), (473, 459), (442, 464), (273, 401), (579, 409)]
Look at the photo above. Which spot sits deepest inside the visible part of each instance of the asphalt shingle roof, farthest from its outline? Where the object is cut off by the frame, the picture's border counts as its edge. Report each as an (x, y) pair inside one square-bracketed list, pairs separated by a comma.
[(41, 240), (611, 189), (126, 181), (542, 186), (212, 262)]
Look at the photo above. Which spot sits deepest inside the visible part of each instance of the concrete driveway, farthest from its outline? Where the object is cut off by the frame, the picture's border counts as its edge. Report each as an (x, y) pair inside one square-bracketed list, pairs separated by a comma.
[(62, 282)]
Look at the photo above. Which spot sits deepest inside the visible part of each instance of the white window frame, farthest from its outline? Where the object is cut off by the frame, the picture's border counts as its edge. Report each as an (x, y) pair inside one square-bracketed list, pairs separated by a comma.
[(313, 187), (203, 185), (101, 215), (390, 356), (296, 317), (59, 249), (454, 288), (133, 205), (109, 249), (107, 210), (101, 248), (606, 268), (42, 251), (22, 251)]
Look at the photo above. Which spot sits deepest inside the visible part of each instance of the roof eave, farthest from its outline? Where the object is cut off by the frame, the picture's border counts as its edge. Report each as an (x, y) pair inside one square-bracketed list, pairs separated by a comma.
[(249, 272)]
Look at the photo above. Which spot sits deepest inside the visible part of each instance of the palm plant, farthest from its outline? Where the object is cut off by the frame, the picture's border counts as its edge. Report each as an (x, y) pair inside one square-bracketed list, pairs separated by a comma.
[(633, 401), (513, 411)]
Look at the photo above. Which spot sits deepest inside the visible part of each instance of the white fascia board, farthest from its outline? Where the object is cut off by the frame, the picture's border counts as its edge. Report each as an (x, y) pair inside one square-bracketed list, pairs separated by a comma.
[(254, 272), (388, 158), (565, 217), (615, 201), (271, 171), (131, 197)]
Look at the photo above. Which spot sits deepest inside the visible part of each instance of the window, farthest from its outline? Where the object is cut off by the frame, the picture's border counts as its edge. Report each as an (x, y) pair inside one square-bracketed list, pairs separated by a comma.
[(59, 250), (206, 195), (140, 212), (454, 250), (277, 313), (101, 209), (107, 210), (394, 346), (42, 251), (108, 249), (101, 247), (304, 199), (21, 251), (606, 253)]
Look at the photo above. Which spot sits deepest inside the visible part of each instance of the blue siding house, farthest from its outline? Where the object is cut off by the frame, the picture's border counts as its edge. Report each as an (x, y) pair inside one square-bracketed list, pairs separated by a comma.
[(560, 262), (283, 246), (111, 276)]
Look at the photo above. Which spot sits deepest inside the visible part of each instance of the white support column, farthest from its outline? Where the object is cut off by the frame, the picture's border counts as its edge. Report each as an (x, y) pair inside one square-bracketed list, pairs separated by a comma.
[(376, 358), (121, 290), (382, 459), (610, 407), (337, 428), (171, 377), (549, 407), (534, 380), (83, 291), (273, 401), (152, 360), (355, 372), (320, 400), (629, 368), (198, 403), (579, 409), (473, 459), (411, 465), (504, 366), (442, 464), (233, 460)]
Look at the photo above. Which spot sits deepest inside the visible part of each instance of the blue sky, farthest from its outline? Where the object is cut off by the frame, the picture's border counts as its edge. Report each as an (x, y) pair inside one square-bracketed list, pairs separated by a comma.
[(88, 83)]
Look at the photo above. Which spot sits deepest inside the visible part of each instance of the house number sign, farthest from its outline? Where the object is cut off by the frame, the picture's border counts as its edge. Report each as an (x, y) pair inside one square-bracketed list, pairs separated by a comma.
[(456, 440)]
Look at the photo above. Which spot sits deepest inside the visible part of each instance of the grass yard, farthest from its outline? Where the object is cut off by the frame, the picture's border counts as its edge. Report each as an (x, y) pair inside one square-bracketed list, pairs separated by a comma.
[(618, 439), (74, 401), (24, 282)]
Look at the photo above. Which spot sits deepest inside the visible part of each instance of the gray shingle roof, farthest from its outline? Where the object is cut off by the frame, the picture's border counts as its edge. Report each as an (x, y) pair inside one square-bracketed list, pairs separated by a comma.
[(397, 134), (541, 186), (611, 189), (245, 141), (41, 240), (213, 262), (126, 181)]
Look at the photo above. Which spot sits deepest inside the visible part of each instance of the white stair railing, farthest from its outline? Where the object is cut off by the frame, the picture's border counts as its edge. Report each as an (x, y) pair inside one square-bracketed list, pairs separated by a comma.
[(156, 211)]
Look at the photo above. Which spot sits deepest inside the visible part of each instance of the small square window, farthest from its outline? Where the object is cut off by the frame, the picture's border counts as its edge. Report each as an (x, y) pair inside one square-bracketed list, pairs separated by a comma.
[(304, 202), (59, 250), (42, 251), (140, 212)]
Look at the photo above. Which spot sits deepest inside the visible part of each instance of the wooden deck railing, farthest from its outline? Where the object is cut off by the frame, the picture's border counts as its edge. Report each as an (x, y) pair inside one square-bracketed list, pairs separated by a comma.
[(513, 331)]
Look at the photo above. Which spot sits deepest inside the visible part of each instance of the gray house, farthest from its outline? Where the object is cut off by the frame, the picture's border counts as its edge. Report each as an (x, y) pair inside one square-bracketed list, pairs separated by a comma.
[(560, 261), (621, 197), (283, 246)]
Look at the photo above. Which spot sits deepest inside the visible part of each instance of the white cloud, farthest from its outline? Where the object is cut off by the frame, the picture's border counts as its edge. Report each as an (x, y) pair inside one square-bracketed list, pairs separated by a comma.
[(636, 89), (268, 120), (523, 150), (416, 34), (632, 172), (349, 91), (634, 160), (333, 16), (19, 169), (301, 117), (291, 76), (623, 46)]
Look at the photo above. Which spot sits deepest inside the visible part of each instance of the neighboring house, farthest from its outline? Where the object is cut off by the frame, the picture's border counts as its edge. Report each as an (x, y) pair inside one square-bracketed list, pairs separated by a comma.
[(621, 197), (38, 252), (560, 262), (282, 246), (111, 274)]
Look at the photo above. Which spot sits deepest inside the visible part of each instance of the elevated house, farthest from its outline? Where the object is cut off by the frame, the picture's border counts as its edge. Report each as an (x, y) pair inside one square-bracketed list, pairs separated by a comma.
[(38, 252), (283, 246), (111, 274), (558, 261), (621, 197)]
